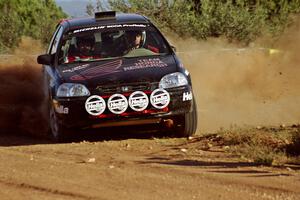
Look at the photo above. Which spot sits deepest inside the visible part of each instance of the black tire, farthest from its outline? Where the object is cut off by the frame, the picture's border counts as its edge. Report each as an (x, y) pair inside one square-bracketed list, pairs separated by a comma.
[(188, 122), (57, 132)]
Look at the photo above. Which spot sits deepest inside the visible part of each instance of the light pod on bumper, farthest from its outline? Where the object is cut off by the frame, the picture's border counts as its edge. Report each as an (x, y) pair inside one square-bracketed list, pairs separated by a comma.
[(160, 98), (117, 103), (95, 105), (138, 101)]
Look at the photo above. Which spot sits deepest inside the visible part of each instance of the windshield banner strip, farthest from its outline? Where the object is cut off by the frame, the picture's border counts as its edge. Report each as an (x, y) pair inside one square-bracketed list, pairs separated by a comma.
[(110, 27)]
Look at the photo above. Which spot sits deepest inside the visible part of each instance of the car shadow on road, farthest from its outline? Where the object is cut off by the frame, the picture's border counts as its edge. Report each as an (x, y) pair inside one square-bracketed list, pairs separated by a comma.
[(198, 163), (16, 137), (233, 167), (119, 133)]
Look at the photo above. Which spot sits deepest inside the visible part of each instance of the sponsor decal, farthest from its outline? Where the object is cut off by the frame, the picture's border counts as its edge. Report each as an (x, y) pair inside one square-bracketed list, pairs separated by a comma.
[(138, 101), (95, 105), (146, 63), (186, 72), (109, 26), (160, 98), (61, 109), (73, 69), (117, 103), (134, 25), (187, 96), (89, 29), (125, 88), (98, 71)]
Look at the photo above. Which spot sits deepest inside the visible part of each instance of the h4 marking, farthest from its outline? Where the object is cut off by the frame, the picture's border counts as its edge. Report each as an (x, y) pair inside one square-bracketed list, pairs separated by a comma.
[(187, 96)]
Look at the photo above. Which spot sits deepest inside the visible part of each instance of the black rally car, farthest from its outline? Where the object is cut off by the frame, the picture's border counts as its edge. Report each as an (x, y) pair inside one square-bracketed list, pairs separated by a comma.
[(115, 70)]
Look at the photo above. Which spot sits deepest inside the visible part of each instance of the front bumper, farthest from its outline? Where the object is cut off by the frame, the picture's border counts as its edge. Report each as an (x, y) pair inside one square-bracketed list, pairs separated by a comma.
[(71, 112)]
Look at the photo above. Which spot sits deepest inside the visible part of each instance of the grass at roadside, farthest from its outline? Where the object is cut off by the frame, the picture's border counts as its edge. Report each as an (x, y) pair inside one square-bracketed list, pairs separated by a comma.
[(264, 145)]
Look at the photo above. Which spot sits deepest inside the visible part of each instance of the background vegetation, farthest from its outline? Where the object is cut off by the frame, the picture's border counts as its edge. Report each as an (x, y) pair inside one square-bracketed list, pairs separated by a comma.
[(33, 18), (264, 145), (240, 21), (237, 20)]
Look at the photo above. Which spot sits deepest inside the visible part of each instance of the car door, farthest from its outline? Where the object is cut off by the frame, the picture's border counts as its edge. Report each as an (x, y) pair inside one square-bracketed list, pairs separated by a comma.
[(50, 73)]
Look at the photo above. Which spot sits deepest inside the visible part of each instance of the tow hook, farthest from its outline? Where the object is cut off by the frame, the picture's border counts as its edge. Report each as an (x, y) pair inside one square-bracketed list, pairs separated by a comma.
[(169, 123)]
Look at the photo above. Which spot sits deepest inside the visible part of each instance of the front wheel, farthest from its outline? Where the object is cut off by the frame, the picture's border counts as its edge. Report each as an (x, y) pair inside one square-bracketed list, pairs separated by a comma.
[(187, 123), (57, 132)]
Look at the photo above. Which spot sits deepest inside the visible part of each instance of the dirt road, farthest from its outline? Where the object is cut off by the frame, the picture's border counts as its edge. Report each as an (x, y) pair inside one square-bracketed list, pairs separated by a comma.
[(141, 168), (231, 88)]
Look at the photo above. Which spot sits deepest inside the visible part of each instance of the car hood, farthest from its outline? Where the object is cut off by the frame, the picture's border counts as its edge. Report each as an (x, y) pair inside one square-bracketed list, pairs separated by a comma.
[(121, 70)]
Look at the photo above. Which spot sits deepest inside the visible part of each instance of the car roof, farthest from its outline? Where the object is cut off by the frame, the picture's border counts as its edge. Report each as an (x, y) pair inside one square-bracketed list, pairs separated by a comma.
[(120, 18)]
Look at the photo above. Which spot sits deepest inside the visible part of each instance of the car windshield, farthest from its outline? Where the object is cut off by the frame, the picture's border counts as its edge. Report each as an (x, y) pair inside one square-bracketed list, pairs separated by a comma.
[(102, 43)]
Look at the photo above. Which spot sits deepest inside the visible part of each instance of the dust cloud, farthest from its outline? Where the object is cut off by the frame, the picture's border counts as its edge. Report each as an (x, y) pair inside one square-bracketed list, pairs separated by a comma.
[(236, 86), (21, 96)]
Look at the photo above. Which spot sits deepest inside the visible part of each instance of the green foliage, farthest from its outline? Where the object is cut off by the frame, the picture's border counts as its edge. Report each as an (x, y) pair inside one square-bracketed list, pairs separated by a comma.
[(262, 155), (10, 25), (90, 9), (34, 18), (266, 145), (237, 20)]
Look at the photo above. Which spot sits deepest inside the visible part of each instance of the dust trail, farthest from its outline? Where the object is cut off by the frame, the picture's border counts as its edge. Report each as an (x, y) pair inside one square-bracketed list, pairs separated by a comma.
[(252, 86), (21, 94)]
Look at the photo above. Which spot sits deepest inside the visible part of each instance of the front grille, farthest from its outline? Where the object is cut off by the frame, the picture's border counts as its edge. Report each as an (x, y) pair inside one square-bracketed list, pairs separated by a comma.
[(124, 88)]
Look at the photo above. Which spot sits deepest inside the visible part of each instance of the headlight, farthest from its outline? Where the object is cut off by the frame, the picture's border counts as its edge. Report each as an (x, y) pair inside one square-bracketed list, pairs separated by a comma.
[(173, 80), (72, 90)]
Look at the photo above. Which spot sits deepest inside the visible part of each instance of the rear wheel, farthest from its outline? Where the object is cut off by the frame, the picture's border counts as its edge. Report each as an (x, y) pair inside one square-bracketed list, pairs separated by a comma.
[(187, 123)]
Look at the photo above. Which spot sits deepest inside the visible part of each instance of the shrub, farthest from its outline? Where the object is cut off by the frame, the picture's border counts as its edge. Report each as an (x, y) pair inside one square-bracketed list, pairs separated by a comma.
[(33, 18), (240, 20), (263, 145), (294, 147)]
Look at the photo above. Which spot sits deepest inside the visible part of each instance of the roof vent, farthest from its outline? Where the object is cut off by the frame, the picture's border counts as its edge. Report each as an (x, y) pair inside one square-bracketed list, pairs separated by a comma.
[(105, 15)]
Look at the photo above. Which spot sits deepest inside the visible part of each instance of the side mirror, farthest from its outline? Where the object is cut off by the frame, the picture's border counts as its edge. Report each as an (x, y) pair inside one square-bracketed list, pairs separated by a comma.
[(44, 59), (174, 48)]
